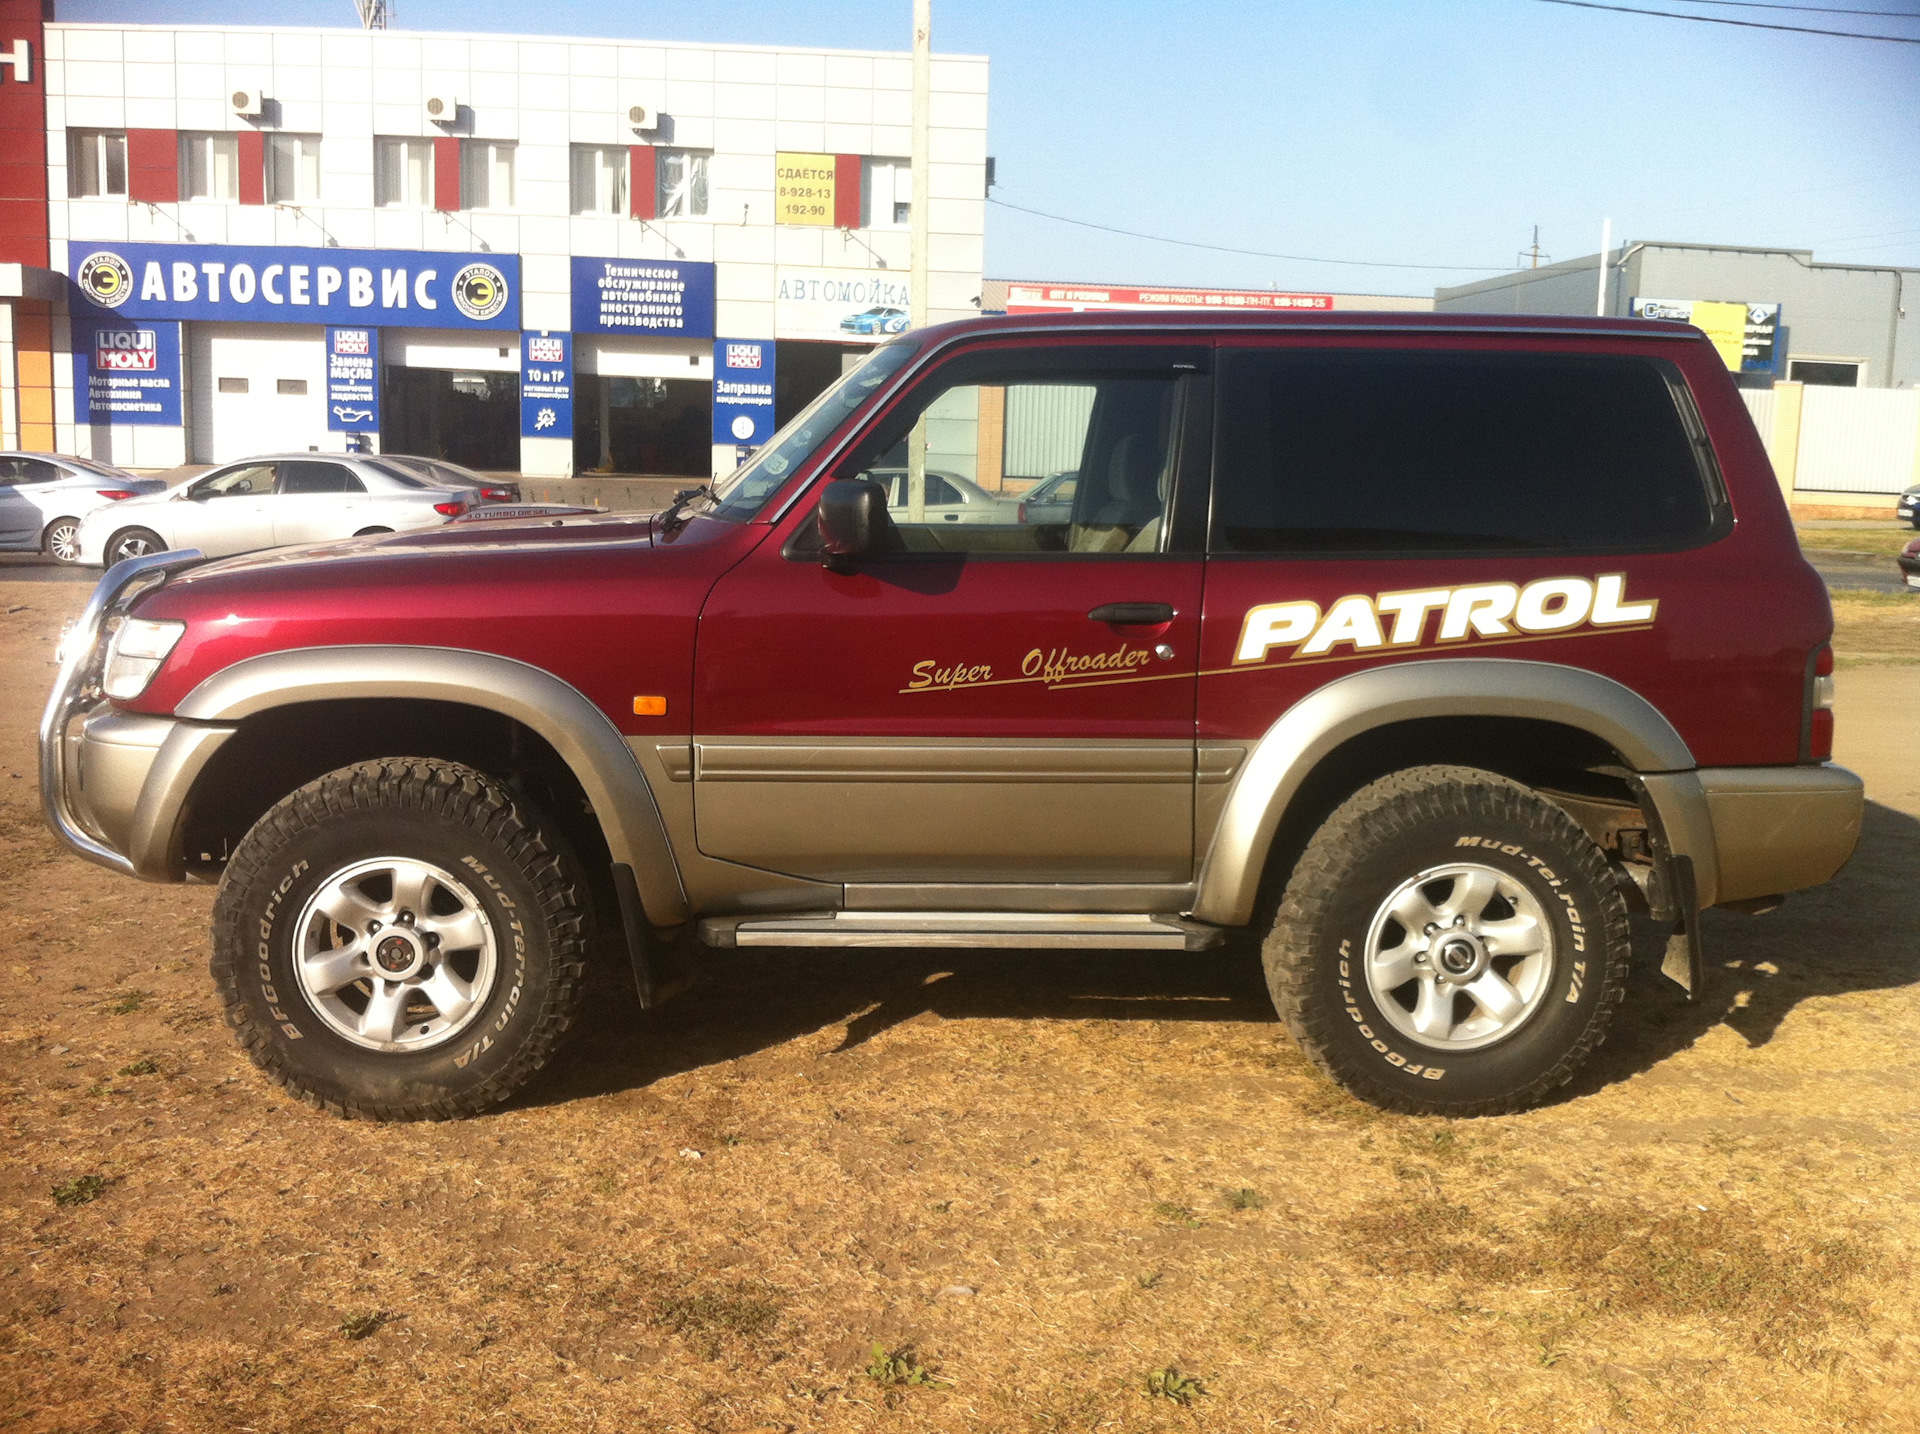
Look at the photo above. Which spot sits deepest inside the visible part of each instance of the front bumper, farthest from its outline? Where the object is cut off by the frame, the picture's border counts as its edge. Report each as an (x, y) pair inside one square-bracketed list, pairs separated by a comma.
[(114, 784)]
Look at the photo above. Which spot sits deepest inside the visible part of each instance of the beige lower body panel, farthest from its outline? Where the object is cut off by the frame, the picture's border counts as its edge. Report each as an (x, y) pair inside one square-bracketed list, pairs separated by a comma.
[(1779, 829)]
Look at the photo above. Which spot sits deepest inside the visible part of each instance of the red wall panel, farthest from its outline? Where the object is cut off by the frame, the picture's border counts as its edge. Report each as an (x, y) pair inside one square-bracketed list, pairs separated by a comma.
[(153, 166), (643, 181), (253, 167), (846, 191), (446, 172), (23, 137)]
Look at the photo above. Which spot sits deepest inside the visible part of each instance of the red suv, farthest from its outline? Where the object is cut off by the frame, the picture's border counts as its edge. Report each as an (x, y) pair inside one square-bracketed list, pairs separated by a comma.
[(1427, 647)]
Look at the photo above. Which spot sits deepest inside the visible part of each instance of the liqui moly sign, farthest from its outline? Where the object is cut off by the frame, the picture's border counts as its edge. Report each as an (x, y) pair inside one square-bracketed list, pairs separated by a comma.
[(126, 349)]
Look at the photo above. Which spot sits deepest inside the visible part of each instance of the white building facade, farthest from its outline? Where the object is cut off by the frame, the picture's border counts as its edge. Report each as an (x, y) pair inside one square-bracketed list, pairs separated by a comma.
[(543, 255)]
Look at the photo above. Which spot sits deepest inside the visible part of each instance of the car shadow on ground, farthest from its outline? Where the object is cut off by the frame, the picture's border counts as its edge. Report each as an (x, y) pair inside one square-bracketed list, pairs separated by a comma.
[(1851, 935)]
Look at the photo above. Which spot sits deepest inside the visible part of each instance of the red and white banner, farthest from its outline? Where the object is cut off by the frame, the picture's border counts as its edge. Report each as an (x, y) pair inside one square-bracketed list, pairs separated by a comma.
[(1073, 298)]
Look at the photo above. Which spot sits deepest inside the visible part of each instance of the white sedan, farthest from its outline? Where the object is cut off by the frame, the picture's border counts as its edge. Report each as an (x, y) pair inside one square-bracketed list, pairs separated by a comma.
[(271, 502)]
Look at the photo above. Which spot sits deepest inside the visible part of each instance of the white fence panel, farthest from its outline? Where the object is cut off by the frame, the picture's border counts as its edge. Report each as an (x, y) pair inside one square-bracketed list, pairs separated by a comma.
[(1857, 440), (1046, 427), (1759, 403)]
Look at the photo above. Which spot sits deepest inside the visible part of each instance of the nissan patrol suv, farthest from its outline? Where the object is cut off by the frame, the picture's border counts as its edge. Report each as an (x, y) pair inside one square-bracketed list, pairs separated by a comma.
[(1425, 647)]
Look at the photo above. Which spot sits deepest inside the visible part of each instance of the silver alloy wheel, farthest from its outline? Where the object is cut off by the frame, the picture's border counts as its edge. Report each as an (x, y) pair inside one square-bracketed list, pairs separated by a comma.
[(395, 954), (1459, 956), (63, 541), (133, 546)]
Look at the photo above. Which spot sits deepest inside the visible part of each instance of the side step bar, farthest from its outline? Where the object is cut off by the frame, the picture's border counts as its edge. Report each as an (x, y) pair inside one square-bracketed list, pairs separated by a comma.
[(1028, 930)]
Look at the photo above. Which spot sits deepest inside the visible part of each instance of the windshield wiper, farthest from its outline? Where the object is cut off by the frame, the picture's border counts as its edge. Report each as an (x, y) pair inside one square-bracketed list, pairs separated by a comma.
[(676, 517)]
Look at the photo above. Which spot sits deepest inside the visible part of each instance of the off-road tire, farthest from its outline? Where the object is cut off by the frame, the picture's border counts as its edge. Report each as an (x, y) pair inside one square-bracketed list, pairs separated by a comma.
[(145, 539), (523, 877), (1384, 835)]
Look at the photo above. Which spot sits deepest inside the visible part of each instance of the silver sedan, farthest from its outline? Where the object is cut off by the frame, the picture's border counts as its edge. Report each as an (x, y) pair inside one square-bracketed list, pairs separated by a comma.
[(43, 497)]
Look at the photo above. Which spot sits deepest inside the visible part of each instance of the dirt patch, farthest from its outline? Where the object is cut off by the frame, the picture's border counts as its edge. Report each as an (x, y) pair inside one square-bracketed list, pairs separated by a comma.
[(1074, 1192)]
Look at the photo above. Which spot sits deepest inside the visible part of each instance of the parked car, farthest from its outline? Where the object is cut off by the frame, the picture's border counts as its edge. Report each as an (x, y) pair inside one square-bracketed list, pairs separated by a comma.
[(43, 497), (950, 498), (880, 320), (1051, 499), (268, 502), (1422, 648), (1910, 564), (1907, 510), (439, 473)]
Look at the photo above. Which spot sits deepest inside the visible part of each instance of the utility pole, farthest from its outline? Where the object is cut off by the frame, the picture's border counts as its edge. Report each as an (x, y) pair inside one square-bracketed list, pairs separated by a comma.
[(917, 274), (1532, 257), (1606, 243)]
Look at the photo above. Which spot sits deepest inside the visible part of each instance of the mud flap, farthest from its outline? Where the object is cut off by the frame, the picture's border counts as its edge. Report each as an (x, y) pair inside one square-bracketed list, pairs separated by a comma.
[(1685, 962), (633, 924)]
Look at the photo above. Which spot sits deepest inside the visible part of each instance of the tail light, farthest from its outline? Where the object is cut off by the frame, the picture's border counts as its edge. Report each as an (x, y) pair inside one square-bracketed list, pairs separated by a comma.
[(499, 494), (116, 494), (1816, 743), (453, 509), (1022, 518)]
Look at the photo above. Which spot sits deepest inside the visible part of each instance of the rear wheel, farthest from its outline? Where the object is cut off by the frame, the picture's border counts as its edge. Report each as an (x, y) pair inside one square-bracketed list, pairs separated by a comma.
[(1450, 943), (369, 532), (61, 542), (400, 940), (133, 543)]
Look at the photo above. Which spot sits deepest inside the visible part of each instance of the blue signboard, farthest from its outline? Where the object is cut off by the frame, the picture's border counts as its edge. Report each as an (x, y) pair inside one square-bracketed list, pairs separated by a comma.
[(126, 372), (546, 385), (353, 380), (657, 298), (387, 288), (742, 391)]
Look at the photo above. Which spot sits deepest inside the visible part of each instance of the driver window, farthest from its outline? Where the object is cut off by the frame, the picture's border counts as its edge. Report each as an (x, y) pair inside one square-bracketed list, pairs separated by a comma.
[(1097, 453), (252, 478)]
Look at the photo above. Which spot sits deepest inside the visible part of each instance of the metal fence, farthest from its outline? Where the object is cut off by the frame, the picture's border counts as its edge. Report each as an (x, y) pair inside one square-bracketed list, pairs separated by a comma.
[(1839, 440)]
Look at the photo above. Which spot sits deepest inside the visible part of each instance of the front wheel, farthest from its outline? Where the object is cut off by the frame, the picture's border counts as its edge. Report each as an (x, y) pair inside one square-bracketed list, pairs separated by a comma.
[(1450, 943), (400, 940), (133, 543), (61, 541)]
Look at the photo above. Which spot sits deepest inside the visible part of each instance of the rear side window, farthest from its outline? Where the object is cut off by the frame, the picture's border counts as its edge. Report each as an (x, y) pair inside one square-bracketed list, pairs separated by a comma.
[(303, 475), (1324, 452)]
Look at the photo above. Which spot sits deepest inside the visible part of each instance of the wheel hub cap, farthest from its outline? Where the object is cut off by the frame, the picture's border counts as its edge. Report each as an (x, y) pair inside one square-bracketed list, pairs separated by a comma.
[(397, 956), (1459, 956)]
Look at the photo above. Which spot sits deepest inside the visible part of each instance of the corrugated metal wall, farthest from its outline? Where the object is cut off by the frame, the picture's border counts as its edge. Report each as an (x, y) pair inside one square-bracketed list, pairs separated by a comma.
[(1760, 404), (1046, 428), (1857, 440)]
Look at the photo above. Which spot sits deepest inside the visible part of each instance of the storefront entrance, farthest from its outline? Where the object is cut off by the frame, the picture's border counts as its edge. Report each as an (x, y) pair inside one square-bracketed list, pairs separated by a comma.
[(468, 418), (643, 425)]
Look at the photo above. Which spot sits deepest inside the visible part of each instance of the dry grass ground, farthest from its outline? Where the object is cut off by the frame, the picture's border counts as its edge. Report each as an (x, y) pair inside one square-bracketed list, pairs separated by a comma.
[(997, 1192)]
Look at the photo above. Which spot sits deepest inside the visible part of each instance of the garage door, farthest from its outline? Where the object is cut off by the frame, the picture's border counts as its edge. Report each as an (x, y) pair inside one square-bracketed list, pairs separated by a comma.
[(258, 388)]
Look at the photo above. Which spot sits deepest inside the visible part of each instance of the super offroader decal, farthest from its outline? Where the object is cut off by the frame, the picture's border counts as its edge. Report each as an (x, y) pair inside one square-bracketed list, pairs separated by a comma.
[(1550, 607)]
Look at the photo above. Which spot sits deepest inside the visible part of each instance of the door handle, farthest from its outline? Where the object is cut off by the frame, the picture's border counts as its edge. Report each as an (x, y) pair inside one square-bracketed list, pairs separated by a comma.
[(1133, 614)]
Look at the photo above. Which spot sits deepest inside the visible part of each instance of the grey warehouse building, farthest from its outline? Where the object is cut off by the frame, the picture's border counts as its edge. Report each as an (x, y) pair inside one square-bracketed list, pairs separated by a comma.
[(1846, 325)]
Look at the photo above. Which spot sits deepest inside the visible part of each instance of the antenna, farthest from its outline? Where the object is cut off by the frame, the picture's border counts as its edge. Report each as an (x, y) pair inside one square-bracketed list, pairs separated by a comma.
[(1533, 254), (374, 14)]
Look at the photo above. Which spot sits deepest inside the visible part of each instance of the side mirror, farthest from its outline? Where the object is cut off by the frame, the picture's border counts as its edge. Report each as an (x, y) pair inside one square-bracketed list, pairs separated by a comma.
[(853, 522)]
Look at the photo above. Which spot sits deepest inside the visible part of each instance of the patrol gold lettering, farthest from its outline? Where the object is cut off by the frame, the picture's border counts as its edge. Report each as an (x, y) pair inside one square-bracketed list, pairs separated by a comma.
[(1483, 609), (1277, 624), (1537, 610), (1353, 620), (1610, 604)]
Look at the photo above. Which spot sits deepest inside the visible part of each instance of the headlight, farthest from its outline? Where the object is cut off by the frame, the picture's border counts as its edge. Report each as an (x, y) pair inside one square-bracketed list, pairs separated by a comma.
[(134, 654)]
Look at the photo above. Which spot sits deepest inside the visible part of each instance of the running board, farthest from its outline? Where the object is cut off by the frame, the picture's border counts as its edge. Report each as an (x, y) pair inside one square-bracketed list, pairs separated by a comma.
[(1022, 930)]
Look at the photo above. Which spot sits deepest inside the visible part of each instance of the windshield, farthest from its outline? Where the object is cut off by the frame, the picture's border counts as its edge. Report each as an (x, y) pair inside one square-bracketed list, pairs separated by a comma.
[(742, 493)]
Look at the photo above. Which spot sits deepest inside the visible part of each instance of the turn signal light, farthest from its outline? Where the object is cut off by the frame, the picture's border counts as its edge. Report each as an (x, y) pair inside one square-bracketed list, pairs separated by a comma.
[(452, 510), (649, 706), (1819, 721), (116, 494)]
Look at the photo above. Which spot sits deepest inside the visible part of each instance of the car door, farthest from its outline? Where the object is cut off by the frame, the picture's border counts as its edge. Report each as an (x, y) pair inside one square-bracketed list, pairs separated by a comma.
[(20, 516), (317, 501), (982, 704), (228, 511)]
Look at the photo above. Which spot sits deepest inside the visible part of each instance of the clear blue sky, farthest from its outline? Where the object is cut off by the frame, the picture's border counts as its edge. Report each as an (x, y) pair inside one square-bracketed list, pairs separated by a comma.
[(1416, 133)]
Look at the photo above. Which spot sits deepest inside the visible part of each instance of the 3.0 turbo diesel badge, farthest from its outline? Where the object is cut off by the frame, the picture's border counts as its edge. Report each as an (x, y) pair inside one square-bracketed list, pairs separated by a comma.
[(1545, 608)]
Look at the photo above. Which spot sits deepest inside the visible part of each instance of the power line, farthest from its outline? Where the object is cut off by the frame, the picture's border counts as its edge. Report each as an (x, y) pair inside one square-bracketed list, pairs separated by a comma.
[(1811, 9), (1254, 253), (1743, 24)]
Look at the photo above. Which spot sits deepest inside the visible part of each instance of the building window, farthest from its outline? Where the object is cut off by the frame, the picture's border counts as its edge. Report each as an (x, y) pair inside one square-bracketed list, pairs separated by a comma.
[(887, 202), (599, 179), (293, 168), (1832, 373), (486, 174), (403, 172), (682, 176), (96, 164), (209, 166)]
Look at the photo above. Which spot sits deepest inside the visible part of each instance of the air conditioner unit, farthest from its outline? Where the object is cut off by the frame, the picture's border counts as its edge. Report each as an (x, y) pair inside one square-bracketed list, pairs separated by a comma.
[(248, 104), (643, 116), (443, 109)]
